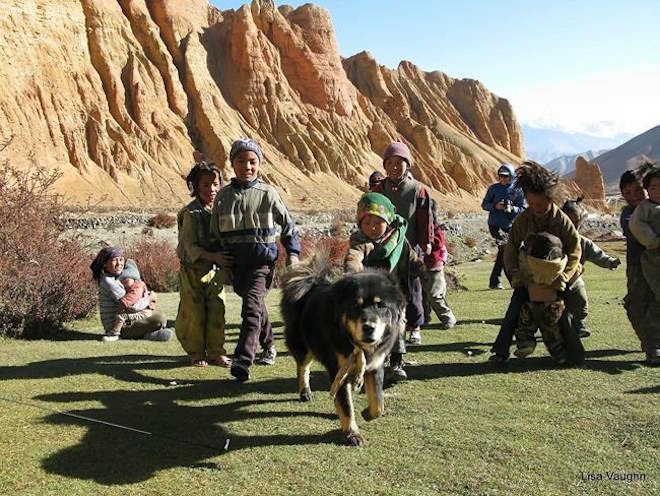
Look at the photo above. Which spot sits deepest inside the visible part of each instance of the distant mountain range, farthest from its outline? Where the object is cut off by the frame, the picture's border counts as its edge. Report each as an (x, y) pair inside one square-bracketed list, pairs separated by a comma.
[(546, 145), (566, 163), (628, 156)]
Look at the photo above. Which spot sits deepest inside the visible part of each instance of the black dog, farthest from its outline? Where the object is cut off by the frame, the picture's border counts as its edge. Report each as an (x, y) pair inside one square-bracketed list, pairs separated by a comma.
[(349, 325)]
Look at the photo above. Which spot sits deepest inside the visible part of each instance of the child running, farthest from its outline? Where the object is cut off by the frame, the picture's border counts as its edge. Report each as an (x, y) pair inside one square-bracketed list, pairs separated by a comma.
[(434, 284), (540, 187), (381, 243), (200, 321), (412, 202), (542, 260), (245, 215), (576, 296)]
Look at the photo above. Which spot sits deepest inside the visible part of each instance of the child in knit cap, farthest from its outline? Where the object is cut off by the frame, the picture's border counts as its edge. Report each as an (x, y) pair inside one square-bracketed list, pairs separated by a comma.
[(576, 298), (200, 321), (542, 260), (245, 215), (412, 202), (381, 243)]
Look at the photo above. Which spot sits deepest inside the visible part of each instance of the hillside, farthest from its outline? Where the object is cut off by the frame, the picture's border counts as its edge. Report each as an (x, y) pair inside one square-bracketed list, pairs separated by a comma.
[(118, 96), (628, 156)]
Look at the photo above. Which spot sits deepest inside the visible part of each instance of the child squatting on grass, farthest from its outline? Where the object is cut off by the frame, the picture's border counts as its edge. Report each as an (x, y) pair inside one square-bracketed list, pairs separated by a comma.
[(244, 219), (200, 321), (149, 323), (541, 262), (542, 215), (645, 226), (591, 252), (381, 242), (412, 202)]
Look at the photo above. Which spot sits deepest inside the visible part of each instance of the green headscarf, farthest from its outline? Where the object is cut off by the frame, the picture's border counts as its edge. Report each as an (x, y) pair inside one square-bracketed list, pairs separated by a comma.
[(387, 249)]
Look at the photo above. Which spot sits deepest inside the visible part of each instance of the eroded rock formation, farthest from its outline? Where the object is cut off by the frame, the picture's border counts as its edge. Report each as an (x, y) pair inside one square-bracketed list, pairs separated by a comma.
[(119, 94)]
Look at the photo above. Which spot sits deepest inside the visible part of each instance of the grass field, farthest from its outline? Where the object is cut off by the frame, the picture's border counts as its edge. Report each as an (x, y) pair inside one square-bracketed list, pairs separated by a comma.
[(458, 426)]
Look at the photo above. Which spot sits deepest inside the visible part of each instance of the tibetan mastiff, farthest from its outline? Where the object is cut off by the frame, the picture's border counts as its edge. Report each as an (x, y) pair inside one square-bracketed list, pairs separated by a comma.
[(348, 323)]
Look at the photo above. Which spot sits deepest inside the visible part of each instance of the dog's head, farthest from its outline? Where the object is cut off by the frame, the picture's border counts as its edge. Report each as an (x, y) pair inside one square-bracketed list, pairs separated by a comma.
[(369, 305)]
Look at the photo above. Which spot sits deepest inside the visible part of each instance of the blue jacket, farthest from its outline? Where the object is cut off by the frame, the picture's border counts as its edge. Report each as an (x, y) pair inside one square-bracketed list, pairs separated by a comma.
[(496, 193)]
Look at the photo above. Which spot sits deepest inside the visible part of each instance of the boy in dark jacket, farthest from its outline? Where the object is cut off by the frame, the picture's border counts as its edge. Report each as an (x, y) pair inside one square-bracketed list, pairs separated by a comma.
[(412, 202), (503, 200)]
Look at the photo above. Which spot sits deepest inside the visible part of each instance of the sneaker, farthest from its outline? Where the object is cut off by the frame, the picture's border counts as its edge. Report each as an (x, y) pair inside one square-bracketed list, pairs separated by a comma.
[(415, 337), (396, 373), (497, 359), (447, 323), (109, 338), (240, 370), (267, 356), (496, 286), (163, 334)]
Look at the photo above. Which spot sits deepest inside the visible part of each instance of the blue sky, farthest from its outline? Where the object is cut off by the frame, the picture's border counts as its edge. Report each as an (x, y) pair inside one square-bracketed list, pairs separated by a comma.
[(588, 66)]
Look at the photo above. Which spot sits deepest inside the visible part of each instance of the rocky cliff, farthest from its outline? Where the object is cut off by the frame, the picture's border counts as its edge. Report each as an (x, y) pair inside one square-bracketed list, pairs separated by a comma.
[(119, 94)]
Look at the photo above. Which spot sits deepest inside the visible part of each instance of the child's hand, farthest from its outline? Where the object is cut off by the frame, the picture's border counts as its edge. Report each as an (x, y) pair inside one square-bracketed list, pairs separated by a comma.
[(223, 259), (152, 300), (292, 259), (615, 263)]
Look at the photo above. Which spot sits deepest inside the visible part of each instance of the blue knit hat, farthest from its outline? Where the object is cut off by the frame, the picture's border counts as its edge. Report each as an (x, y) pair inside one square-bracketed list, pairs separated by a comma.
[(130, 271), (243, 145)]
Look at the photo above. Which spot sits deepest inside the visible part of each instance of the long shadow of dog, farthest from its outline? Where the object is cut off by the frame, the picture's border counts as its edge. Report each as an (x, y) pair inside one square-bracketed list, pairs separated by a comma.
[(136, 433)]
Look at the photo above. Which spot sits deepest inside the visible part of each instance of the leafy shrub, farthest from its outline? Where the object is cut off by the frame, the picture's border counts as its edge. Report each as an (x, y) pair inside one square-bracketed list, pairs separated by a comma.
[(158, 263), (162, 220), (44, 280)]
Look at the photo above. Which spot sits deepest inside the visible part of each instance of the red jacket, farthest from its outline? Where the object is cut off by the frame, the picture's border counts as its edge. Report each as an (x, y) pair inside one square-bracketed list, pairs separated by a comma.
[(438, 256), (133, 295)]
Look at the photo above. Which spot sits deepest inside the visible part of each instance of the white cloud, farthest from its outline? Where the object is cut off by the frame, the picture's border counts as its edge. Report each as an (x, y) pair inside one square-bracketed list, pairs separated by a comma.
[(603, 105)]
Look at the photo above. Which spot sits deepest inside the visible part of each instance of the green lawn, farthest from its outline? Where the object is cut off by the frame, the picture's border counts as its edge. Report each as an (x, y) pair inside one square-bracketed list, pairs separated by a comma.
[(458, 426)]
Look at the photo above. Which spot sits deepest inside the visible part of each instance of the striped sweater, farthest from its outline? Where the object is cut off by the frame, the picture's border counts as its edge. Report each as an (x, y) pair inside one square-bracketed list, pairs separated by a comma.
[(244, 221)]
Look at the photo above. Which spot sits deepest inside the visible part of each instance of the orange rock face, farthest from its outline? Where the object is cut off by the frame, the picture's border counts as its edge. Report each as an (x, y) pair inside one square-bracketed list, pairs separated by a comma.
[(589, 179), (119, 95)]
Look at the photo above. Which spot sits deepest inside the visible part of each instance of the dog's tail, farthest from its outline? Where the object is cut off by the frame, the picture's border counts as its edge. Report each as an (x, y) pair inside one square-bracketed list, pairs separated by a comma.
[(299, 280)]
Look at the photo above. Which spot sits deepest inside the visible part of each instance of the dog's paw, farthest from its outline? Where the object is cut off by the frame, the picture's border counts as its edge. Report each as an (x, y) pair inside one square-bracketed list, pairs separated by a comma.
[(367, 415), (354, 439), (306, 395)]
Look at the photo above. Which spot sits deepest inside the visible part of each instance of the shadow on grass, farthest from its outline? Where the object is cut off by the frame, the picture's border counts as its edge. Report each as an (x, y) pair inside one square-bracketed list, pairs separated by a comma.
[(176, 434), (515, 365), (646, 390), (183, 424), (495, 322)]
